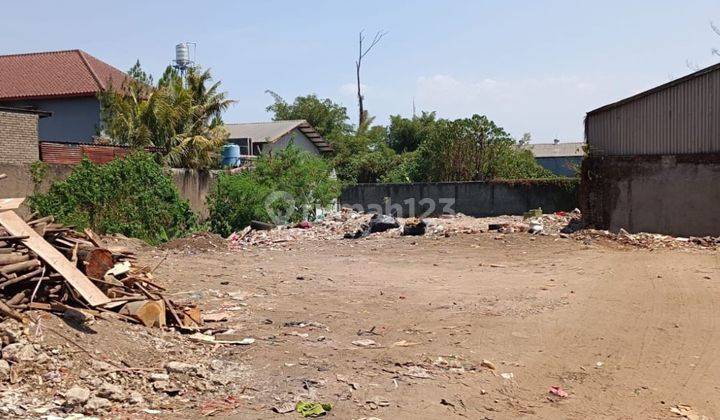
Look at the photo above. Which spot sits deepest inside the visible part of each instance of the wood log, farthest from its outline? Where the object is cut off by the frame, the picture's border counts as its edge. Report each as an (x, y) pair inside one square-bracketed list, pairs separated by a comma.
[(12, 313), (149, 312), (24, 277), (18, 298), (13, 238), (74, 277), (21, 266), (13, 258), (40, 228), (46, 220), (96, 261)]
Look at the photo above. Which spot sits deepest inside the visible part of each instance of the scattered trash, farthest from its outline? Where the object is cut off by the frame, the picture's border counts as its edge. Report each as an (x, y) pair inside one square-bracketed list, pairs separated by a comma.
[(508, 375), (686, 411), (414, 227), (312, 408), (535, 227), (556, 390), (381, 223), (365, 342), (533, 213), (417, 372), (598, 365), (488, 364), (304, 225), (284, 408), (404, 343)]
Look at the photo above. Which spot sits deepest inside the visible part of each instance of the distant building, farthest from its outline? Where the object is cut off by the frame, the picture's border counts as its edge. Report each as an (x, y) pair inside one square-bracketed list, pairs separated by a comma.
[(562, 159), (259, 138), (65, 83)]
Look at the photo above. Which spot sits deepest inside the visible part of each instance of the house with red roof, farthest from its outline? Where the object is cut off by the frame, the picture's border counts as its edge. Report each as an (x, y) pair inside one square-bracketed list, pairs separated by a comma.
[(65, 83)]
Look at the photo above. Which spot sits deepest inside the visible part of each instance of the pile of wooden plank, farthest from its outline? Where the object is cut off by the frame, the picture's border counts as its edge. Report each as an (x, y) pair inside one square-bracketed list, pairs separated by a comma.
[(45, 265)]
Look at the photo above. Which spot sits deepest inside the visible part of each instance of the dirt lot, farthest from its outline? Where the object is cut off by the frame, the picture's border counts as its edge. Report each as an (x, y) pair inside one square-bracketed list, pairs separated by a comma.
[(627, 332)]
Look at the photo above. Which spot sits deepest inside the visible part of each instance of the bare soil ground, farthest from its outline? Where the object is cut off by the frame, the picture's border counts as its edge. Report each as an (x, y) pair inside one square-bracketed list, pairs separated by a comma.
[(627, 332)]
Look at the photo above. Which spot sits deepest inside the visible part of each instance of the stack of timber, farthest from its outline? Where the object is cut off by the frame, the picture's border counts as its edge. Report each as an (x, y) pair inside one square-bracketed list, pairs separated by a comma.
[(47, 266)]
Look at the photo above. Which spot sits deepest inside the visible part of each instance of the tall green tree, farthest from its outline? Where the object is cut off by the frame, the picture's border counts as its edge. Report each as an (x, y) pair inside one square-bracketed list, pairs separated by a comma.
[(473, 149), (328, 118), (407, 134), (181, 115)]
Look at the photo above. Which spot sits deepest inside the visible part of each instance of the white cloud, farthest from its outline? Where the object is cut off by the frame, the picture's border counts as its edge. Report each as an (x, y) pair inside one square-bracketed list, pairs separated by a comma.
[(547, 107), (350, 89)]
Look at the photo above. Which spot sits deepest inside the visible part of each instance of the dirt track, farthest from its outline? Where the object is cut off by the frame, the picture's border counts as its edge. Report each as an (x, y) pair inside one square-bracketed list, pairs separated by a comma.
[(545, 309)]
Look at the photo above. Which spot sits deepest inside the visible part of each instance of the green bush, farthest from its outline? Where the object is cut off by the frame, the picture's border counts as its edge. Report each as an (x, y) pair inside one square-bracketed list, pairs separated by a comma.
[(132, 196), (260, 193)]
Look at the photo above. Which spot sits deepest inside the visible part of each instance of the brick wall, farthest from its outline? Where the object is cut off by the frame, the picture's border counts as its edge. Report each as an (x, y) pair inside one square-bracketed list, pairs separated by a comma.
[(18, 137)]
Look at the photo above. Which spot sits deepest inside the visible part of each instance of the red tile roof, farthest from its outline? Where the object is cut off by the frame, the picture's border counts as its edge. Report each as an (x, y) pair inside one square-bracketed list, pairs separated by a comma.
[(55, 74)]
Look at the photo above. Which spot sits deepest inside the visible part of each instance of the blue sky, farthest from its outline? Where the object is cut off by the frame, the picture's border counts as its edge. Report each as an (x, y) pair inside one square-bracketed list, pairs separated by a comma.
[(532, 66)]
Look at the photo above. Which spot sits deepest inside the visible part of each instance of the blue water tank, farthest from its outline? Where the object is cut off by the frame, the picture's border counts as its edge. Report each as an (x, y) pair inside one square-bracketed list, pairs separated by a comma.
[(231, 155)]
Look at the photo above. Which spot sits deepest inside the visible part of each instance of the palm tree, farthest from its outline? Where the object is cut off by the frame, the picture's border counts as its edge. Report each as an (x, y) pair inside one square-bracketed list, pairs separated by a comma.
[(181, 117)]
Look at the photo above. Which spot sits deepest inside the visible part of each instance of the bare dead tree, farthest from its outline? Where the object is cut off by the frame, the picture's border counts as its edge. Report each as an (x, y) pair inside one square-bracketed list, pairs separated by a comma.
[(362, 52)]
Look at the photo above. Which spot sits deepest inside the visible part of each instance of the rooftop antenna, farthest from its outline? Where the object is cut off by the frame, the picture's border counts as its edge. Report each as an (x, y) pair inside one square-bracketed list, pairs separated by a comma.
[(182, 56)]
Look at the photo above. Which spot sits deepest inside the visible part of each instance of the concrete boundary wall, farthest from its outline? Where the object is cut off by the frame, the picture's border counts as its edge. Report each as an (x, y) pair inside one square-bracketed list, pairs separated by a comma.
[(193, 185), (670, 194), (471, 198)]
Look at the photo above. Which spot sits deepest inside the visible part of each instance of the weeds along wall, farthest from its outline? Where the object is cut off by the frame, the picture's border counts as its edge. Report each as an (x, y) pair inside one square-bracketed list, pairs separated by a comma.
[(471, 198), (192, 185)]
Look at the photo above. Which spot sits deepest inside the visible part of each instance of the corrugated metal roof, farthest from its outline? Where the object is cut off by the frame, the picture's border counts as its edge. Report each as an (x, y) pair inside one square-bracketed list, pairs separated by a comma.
[(55, 74), (556, 149), (681, 117), (270, 132)]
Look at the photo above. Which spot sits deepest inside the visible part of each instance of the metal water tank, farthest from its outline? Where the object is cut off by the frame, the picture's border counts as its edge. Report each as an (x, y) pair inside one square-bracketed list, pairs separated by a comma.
[(231, 155), (182, 54)]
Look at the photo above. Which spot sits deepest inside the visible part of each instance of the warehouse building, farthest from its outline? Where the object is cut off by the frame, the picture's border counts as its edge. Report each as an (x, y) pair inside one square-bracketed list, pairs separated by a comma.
[(654, 159)]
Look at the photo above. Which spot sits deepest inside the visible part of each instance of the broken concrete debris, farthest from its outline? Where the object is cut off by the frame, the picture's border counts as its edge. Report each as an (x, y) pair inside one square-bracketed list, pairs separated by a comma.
[(350, 224)]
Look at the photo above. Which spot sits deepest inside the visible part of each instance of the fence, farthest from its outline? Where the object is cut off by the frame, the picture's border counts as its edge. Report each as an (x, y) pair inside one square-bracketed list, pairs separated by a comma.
[(72, 153), (479, 199)]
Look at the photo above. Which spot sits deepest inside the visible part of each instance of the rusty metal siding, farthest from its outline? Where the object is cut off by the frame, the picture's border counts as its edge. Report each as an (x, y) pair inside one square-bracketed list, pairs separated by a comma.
[(72, 154), (680, 119)]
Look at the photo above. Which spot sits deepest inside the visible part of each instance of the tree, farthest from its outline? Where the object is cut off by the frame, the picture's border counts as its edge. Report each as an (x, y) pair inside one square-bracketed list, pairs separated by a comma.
[(180, 116), (328, 118), (363, 157), (362, 52), (406, 135), (290, 182), (472, 149)]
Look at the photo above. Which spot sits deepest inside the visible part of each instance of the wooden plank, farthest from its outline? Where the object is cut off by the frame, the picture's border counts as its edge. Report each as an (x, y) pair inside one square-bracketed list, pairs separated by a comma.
[(16, 226), (10, 203)]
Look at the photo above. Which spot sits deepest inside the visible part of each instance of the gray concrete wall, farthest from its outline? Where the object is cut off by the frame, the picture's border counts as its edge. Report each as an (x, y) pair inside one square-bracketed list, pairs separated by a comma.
[(471, 198), (675, 195), (192, 185), (74, 120)]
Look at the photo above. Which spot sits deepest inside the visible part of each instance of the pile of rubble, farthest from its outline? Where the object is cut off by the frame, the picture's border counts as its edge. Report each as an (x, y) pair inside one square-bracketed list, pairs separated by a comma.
[(650, 240), (349, 224)]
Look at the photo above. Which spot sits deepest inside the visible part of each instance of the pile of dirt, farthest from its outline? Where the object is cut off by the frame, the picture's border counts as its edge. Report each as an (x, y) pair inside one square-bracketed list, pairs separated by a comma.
[(203, 241)]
